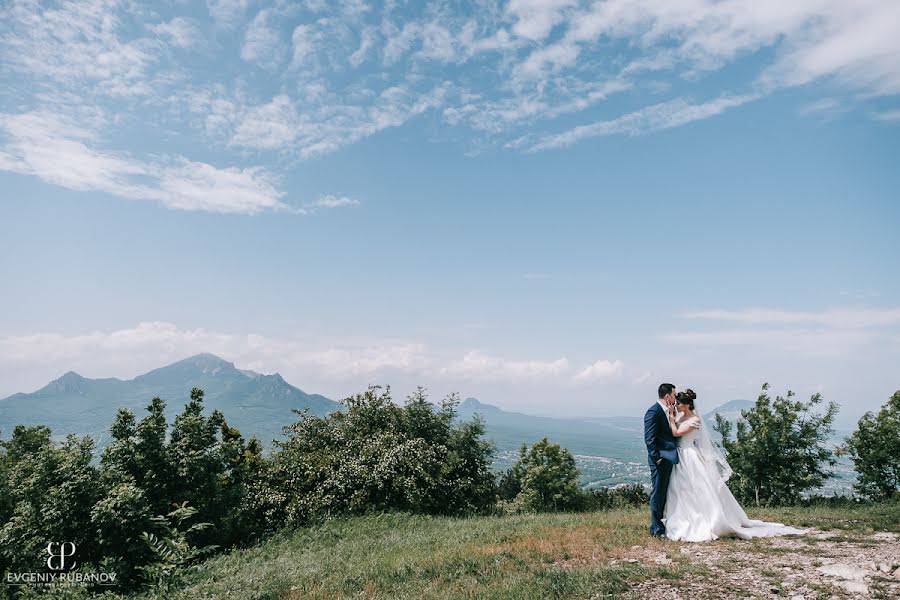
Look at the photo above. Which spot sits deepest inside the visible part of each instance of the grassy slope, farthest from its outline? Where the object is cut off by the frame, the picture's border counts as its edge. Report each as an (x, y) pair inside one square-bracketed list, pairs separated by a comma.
[(527, 556)]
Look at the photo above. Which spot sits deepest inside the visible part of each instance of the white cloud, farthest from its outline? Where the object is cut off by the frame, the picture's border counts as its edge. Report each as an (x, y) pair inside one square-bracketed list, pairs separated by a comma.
[(476, 365), (179, 32), (51, 148), (262, 44), (601, 370), (841, 317), (334, 202), (304, 41), (535, 19), (77, 44), (269, 126), (665, 115), (829, 332), (366, 42), (888, 116), (226, 13)]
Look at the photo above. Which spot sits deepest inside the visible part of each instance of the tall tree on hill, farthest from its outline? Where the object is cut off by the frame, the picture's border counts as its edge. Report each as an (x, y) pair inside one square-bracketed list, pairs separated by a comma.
[(779, 450)]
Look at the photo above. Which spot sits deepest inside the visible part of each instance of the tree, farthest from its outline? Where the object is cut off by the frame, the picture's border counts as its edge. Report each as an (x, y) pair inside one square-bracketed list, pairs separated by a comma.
[(780, 449), (875, 450), (379, 456), (52, 490), (547, 477)]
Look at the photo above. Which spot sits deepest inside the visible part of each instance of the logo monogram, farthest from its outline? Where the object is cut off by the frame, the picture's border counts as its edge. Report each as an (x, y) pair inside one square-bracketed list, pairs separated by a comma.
[(66, 549)]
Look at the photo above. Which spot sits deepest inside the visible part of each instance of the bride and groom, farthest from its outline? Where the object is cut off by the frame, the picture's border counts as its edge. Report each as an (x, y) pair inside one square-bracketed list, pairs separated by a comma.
[(689, 500)]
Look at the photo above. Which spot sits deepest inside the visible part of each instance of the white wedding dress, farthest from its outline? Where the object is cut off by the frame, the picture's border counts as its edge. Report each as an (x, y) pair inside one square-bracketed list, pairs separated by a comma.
[(699, 505)]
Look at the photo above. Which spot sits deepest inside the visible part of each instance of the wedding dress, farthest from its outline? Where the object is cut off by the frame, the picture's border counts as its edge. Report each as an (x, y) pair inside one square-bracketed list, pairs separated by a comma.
[(699, 505)]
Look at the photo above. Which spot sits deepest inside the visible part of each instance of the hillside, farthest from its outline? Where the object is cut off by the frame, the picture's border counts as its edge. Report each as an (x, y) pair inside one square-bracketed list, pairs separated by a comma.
[(589, 555)]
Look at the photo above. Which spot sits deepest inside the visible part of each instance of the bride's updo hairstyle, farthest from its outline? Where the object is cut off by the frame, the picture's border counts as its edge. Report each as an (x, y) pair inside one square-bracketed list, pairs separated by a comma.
[(686, 397)]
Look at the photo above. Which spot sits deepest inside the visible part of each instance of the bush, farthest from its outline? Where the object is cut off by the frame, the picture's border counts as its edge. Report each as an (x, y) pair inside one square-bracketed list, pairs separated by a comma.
[(547, 478), (379, 456), (875, 450), (622, 496)]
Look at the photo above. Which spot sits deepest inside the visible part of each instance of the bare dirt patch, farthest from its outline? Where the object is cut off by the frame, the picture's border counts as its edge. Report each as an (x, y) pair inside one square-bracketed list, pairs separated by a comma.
[(819, 564)]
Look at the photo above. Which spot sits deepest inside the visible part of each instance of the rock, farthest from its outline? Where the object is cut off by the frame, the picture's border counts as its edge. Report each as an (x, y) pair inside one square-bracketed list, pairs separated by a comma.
[(854, 587), (897, 573), (798, 597), (843, 571), (685, 551), (635, 547)]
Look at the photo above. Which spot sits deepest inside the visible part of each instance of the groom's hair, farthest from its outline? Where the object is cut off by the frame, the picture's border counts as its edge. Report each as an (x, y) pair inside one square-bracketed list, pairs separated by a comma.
[(665, 389)]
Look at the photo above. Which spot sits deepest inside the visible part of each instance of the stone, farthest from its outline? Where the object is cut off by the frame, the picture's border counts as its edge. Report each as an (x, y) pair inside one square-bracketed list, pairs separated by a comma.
[(854, 587), (798, 597), (843, 571)]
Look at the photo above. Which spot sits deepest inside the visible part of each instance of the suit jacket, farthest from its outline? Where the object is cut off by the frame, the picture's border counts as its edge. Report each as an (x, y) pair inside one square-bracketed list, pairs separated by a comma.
[(658, 436)]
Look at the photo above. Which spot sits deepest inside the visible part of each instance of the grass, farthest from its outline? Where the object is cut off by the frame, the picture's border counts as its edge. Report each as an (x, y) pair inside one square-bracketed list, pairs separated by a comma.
[(525, 556)]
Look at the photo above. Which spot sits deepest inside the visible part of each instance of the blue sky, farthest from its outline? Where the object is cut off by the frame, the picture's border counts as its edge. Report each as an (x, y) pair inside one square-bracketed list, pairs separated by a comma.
[(551, 206)]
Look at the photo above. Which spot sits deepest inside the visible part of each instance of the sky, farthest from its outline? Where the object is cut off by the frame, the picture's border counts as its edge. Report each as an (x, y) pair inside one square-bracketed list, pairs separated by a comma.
[(550, 206)]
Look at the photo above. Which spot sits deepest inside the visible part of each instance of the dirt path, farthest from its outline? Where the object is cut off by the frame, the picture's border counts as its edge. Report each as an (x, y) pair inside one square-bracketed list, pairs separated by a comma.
[(820, 564)]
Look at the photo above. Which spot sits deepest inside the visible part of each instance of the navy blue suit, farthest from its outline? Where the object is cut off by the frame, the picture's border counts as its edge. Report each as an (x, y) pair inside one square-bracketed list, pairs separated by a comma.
[(660, 445)]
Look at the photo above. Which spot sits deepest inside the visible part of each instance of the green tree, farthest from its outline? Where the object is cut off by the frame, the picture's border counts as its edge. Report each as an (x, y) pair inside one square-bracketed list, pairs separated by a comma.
[(379, 456), (51, 490), (875, 450), (780, 448), (548, 477)]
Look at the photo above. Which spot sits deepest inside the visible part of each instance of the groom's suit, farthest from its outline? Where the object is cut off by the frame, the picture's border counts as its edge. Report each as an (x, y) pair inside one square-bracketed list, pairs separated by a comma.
[(660, 445)]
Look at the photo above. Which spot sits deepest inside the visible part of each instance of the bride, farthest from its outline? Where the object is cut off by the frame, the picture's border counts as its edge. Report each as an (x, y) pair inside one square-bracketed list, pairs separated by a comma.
[(699, 505)]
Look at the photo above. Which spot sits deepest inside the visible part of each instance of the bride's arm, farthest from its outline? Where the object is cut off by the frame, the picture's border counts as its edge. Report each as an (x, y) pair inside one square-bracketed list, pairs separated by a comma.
[(680, 430)]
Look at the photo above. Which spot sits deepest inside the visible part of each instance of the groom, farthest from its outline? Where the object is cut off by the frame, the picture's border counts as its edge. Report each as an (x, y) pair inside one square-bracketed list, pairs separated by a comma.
[(662, 453)]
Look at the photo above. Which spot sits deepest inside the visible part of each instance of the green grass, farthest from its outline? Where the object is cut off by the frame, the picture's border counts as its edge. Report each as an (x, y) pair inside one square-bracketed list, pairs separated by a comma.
[(526, 556)]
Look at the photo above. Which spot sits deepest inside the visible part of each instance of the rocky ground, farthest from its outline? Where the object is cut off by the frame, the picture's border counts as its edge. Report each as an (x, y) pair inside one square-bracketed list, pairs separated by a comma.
[(819, 564)]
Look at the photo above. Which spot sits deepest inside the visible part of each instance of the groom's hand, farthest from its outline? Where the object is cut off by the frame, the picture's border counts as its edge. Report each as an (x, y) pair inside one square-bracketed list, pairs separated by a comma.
[(659, 461)]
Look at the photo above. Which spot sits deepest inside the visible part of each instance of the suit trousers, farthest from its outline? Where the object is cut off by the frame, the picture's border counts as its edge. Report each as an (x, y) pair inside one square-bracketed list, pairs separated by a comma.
[(659, 480)]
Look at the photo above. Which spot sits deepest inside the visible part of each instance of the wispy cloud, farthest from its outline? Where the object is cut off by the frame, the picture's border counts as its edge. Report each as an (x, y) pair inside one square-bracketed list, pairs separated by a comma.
[(657, 117), (51, 148), (262, 44), (888, 116), (180, 32), (841, 317), (828, 332)]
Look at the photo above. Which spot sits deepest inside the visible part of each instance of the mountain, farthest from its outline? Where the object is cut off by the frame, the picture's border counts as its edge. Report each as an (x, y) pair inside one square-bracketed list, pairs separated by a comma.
[(612, 437), (731, 411), (253, 403)]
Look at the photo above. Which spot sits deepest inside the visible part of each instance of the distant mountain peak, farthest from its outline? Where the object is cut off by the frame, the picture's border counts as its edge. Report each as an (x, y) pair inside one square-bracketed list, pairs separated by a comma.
[(205, 359), (471, 403), (70, 382)]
